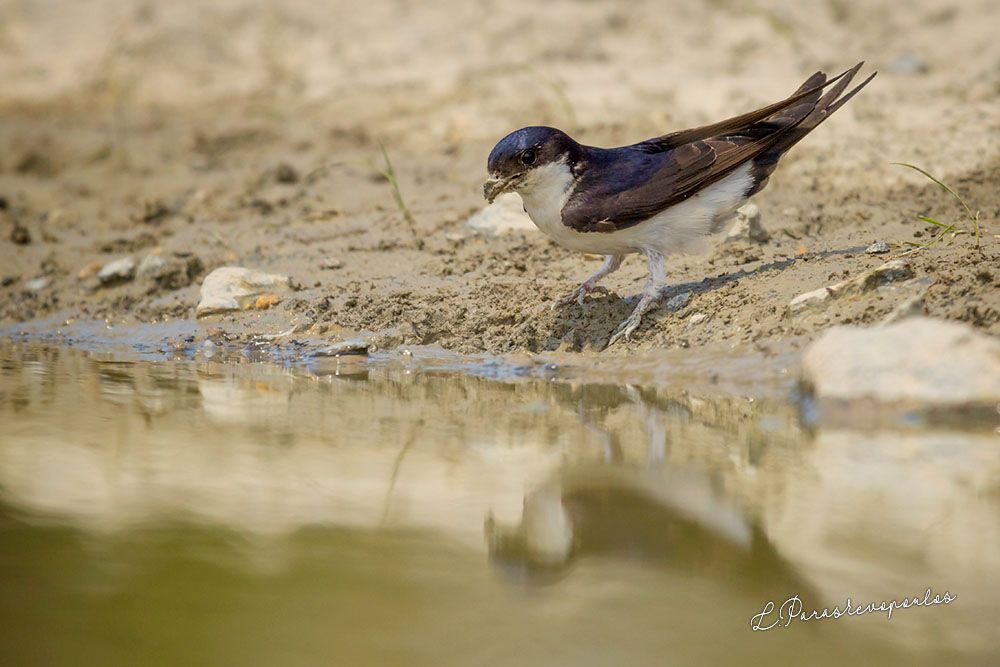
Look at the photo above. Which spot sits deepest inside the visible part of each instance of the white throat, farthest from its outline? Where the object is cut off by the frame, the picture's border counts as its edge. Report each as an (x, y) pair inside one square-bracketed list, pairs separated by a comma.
[(544, 191)]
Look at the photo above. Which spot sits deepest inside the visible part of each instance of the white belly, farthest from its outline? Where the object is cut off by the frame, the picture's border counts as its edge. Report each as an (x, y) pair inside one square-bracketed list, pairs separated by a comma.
[(682, 228)]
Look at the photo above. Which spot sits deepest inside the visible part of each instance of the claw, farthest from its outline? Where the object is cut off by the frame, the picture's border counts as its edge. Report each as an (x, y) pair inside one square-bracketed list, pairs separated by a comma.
[(576, 295), (626, 328), (611, 264), (564, 301), (657, 276)]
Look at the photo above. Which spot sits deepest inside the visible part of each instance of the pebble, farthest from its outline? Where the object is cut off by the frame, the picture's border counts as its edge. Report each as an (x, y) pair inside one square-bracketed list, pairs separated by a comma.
[(37, 284), (353, 347), (895, 271), (878, 248), (150, 265), (286, 173), (231, 288), (698, 318), (331, 264), (678, 302), (748, 226), (20, 234), (89, 270), (265, 301), (120, 270)]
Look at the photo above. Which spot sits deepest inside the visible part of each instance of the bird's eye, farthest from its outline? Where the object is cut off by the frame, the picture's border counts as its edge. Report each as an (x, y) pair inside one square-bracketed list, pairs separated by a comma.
[(528, 157)]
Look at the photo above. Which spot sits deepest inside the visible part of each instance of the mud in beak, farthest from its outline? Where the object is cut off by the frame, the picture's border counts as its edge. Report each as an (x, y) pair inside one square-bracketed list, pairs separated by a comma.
[(495, 187)]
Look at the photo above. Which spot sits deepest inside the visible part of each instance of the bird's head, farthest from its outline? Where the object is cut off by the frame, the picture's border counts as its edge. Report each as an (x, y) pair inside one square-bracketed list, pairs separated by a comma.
[(524, 156)]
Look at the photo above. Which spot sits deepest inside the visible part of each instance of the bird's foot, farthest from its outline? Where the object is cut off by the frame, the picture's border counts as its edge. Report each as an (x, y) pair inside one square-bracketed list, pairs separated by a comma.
[(657, 278), (576, 295), (633, 321), (626, 328)]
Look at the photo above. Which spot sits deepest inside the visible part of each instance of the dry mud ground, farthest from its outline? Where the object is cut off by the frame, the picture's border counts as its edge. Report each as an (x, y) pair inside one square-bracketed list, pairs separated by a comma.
[(248, 133)]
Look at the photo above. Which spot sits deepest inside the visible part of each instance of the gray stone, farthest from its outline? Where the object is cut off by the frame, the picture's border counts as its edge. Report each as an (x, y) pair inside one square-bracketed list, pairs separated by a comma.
[(332, 264), (895, 271), (878, 248), (678, 302), (118, 271), (918, 360), (235, 288), (748, 226), (151, 265), (503, 216), (353, 347)]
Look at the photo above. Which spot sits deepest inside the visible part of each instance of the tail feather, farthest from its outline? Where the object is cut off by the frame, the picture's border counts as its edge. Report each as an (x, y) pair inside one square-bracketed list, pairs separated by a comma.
[(843, 100), (814, 82), (790, 115), (791, 125)]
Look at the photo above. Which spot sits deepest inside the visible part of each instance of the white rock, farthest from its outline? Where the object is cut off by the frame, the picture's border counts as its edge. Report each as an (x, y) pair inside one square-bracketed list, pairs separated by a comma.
[(37, 284), (917, 360), (810, 299), (697, 318), (117, 271), (895, 271), (234, 287), (878, 248), (748, 226), (503, 216), (150, 265)]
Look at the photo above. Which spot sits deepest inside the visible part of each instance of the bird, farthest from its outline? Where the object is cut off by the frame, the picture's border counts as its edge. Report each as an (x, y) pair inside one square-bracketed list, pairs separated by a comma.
[(658, 197)]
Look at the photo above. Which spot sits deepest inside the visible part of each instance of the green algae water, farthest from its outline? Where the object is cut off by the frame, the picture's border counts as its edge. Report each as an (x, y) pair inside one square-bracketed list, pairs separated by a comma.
[(186, 511)]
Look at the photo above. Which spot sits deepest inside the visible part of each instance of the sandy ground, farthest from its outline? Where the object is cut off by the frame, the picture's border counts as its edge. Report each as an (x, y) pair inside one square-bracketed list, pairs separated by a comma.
[(248, 133)]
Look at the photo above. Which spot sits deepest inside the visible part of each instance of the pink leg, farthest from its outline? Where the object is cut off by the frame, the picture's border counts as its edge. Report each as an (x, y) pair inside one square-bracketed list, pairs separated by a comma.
[(611, 264), (657, 281)]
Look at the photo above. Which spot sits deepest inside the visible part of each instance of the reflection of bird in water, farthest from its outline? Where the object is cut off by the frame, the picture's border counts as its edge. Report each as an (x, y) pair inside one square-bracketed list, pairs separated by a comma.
[(593, 403), (672, 517)]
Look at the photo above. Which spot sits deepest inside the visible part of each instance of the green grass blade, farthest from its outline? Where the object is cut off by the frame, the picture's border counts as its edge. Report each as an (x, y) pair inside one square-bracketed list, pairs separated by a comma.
[(389, 174), (973, 218), (941, 185), (933, 221)]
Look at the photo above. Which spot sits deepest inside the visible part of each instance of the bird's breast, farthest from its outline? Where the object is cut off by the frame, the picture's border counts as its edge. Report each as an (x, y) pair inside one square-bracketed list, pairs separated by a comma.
[(544, 194)]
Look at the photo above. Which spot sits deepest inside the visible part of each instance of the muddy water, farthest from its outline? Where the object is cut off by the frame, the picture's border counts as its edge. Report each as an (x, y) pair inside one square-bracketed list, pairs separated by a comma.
[(185, 511)]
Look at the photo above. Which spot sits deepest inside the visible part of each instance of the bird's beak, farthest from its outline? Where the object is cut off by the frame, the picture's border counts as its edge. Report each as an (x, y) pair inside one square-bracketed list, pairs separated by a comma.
[(495, 187)]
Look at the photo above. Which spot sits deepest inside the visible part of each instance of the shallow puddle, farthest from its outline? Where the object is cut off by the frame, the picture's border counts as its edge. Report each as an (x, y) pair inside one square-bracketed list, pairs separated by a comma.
[(399, 512)]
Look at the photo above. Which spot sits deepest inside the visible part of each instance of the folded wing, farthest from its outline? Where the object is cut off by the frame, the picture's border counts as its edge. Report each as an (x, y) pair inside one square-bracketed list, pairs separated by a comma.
[(636, 182)]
